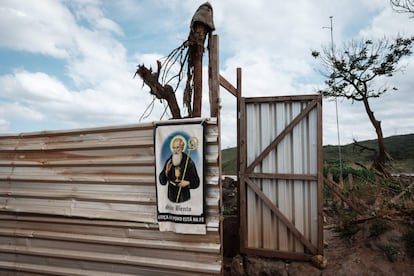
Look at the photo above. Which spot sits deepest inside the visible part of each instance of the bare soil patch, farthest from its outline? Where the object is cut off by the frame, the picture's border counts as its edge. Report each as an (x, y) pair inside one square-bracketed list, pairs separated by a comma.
[(375, 245)]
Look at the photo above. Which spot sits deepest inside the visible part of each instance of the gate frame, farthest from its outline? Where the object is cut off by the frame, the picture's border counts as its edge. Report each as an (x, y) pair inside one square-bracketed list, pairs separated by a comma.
[(245, 170)]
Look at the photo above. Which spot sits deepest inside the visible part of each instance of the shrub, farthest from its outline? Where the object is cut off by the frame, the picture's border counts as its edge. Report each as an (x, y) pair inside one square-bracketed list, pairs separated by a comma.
[(348, 225)]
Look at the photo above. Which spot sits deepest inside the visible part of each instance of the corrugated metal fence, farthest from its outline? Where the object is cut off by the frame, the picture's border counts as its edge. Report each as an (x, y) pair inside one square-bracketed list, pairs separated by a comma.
[(281, 176), (83, 202)]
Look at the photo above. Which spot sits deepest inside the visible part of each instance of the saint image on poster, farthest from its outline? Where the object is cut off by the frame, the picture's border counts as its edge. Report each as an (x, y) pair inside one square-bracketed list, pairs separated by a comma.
[(179, 176), (179, 172)]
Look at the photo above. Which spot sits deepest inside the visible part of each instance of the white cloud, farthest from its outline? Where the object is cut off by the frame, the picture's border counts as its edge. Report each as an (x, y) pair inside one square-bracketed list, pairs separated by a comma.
[(4, 125), (388, 23), (43, 27), (16, 110), (91, 11), (278, 62), (39, 97), (30, 87), (97, 63), (100, 44)]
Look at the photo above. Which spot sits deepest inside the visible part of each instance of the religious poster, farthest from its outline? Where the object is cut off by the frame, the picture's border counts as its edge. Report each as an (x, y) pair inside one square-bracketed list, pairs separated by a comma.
[(179, 158)]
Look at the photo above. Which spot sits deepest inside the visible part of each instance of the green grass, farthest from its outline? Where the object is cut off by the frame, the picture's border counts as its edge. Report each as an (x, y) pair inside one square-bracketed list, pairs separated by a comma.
[(400, 148), (229, 161)]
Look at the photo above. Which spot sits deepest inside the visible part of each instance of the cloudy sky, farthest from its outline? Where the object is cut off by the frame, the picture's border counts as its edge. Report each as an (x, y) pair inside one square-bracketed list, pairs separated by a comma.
[(70, 64)]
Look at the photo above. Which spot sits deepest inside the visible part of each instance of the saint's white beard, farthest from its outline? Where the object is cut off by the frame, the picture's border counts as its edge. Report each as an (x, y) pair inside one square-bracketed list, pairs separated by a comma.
[(176, 159)]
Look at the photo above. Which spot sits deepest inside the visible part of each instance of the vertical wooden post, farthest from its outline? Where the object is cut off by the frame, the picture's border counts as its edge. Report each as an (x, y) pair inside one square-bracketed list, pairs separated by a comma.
[(214, 89), (242, 182), (238, 99), (320, 177), (197, 37), (239, 95), (213, 73)]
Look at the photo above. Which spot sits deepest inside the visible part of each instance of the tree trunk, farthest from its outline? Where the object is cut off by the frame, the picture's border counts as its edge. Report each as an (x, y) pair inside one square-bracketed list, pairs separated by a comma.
[(158, 90), (380, 158)]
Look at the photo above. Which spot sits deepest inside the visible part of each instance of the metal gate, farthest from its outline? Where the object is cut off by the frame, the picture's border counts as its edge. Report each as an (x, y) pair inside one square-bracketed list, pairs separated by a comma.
[(281, 176)]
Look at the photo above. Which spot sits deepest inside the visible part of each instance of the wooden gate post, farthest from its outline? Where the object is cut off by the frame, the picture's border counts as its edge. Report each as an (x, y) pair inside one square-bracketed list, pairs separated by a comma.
[(213, 72)]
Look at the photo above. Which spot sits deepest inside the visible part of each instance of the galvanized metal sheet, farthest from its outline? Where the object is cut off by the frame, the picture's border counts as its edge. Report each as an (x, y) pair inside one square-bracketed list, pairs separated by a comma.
[(278, 174), (83, 202)]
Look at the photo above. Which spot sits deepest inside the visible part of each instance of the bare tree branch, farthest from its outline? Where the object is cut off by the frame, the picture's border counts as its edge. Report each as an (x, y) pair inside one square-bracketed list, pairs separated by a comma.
[(403, 6), (157, 89)]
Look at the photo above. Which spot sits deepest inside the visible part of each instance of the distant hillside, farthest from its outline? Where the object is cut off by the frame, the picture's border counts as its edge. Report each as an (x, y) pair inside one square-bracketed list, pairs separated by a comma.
[(229, 159), (400, 148)]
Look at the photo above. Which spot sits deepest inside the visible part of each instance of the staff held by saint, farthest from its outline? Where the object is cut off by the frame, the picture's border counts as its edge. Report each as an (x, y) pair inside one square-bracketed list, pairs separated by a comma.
[(179, 171)]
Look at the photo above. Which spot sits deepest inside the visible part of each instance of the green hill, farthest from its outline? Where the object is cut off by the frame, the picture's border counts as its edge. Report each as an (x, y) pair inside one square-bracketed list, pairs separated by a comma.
[(400, 148), (229, 161)]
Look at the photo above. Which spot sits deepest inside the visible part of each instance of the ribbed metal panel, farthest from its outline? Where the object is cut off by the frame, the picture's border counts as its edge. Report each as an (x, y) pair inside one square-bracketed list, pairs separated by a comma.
[(287, 175), (83, 202)]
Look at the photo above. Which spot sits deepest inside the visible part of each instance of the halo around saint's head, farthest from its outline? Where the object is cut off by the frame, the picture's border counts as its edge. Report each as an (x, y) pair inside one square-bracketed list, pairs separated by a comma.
[(182, 138)]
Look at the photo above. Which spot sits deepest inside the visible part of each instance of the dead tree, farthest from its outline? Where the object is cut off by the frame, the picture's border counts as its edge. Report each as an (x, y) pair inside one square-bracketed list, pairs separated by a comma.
[(159, 82), (160, 91)]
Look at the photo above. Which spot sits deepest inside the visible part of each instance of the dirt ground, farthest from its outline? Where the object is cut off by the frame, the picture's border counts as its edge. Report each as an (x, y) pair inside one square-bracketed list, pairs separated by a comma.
[(367, 255), (373, 250)]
